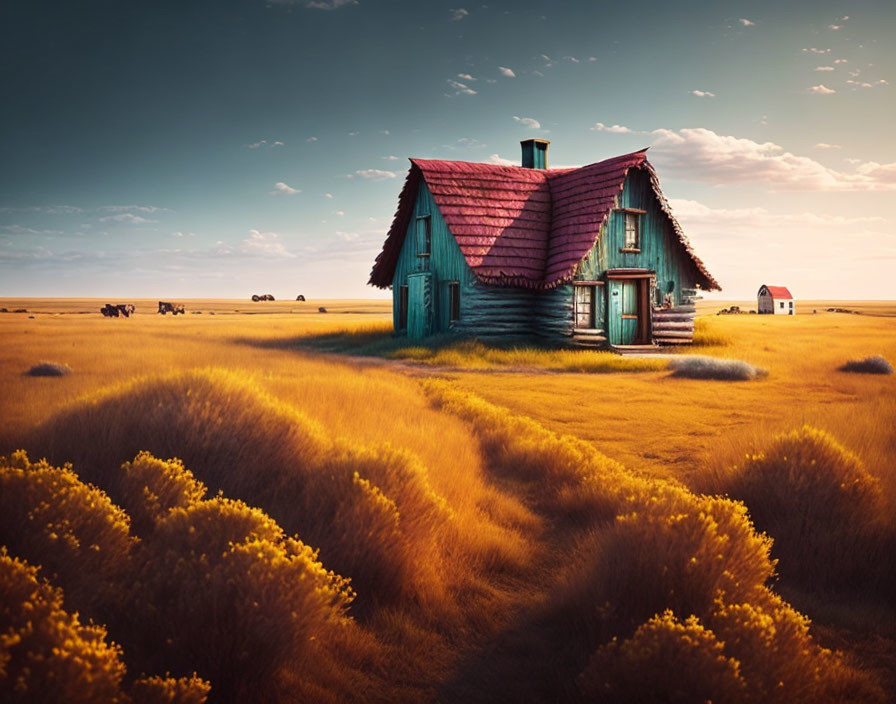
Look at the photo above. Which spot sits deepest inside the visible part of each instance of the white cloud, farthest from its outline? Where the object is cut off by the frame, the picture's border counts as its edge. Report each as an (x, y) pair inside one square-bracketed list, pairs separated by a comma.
[(328, 195), (500, 161), (466, 76), (391, 157), (750, 219), (813, 50), (374, 174), (834, 27), (323, 4), (824, 68), (353, 134), (866, 84), (385, 132), (746, 23), (265, 143), (137, 208), (528, 122), (592, 58), (572, 59), (311, 139), (460, 88), (508, 73), (841, 61), (825, 145), (702, 155), (821, 89), (702, 93), (281, 189), (615, 129), (348, 236), (127, 219), (265, 244), (458, 14), (340, 213)]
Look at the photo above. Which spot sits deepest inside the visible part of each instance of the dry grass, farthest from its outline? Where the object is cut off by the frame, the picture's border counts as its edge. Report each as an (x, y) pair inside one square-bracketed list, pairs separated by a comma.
[(495, 541)]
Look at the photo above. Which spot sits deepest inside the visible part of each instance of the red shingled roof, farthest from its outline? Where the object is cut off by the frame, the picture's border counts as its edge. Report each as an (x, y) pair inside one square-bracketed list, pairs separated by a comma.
[(780, 292), (517, 226)]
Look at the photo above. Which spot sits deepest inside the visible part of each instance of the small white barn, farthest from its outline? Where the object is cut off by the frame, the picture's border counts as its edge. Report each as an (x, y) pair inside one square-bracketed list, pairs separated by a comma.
[(776, 300)]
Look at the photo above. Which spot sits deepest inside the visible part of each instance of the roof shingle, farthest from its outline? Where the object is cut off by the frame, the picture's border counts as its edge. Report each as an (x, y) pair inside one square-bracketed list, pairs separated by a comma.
[(517, 226)]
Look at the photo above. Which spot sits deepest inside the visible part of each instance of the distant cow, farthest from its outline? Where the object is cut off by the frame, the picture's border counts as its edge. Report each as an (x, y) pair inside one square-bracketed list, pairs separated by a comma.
[(116, 310), (173, 308), (263, 297), (300, 297)]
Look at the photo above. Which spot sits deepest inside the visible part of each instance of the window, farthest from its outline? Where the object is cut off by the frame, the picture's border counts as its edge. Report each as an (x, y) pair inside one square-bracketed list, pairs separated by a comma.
[(632, 230), (402, 307), (424, 235), (454, 301), (781, 304), (584, 306)]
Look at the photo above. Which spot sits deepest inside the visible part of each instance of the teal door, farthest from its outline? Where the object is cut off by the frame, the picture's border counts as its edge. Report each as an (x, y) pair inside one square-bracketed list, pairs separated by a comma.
[(419, 305), (623, 311), (629, 324)]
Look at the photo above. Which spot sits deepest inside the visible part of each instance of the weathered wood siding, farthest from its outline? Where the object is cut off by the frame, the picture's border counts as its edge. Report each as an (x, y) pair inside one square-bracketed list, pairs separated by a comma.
[(445, 264), (497, 310), (661, 252)]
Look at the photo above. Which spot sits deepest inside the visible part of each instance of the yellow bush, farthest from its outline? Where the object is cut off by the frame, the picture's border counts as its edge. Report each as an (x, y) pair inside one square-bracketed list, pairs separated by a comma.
[(824, 510), (666, 660), (46, 654), (149, 488), (239, 440), (224, 592), (167, 690), (780, 662), (80, 540)]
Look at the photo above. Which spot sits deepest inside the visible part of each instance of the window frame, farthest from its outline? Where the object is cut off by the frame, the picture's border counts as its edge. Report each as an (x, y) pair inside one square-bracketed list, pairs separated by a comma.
[(593, 287), (424, 242), (631, 215), (453, 301)]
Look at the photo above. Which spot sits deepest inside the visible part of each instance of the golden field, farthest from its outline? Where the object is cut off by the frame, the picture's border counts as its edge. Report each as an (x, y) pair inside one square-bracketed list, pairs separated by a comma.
[(466, 523)]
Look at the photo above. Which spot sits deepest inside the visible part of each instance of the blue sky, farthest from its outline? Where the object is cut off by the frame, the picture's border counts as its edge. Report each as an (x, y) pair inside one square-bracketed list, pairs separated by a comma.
[(217, 149)]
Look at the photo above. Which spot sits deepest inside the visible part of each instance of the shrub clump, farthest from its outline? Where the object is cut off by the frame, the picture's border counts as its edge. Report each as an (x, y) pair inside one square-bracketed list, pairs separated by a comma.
[(46, 653), (666, 660), (49, 369), (870, 365), (246, 444), (149, 488), (701, 367), (226, 593), (77, 536), (823, 508)]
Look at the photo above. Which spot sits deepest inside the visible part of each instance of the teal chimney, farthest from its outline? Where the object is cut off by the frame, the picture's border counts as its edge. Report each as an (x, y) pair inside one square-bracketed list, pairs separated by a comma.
[(535, 153)]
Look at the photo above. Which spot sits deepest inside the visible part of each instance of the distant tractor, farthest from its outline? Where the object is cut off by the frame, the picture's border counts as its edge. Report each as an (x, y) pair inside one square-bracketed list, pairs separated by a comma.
[(117, 310), (775, 300), (173, 308)]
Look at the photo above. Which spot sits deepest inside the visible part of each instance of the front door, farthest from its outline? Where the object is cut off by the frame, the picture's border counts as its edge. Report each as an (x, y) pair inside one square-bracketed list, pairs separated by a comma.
[(419, 305), (627, 311)]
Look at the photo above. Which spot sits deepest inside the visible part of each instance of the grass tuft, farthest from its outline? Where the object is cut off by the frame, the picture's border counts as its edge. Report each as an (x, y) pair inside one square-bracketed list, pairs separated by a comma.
[(700, 367), (49, 369), (870, 365)]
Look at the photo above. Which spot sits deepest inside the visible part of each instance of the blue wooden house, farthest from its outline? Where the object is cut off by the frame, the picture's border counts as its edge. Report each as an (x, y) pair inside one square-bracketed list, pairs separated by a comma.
[(587, 256)]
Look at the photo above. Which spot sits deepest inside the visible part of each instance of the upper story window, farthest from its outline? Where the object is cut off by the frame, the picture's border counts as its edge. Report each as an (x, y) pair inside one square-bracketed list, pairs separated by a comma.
[(632, 230), (424, 236), (454, 301)]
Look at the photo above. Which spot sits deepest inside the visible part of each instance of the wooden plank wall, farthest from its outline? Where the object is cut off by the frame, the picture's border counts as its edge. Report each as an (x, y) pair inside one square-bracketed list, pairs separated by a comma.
[(446, 263)]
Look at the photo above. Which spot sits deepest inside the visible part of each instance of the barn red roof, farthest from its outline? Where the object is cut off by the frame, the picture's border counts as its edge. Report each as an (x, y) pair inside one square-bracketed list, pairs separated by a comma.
[(779, 292), (517, 226)]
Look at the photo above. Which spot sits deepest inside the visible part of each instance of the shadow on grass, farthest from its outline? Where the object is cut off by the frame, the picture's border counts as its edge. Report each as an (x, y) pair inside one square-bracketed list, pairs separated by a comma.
[(452, 352)]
